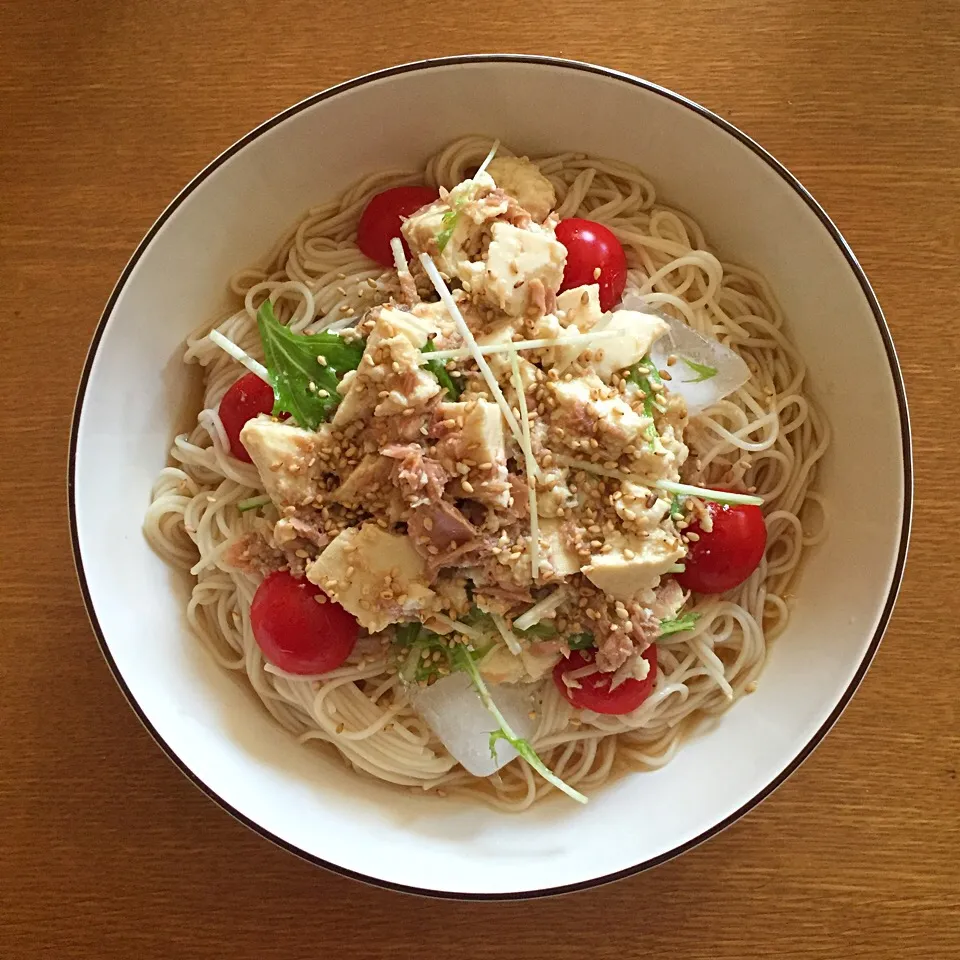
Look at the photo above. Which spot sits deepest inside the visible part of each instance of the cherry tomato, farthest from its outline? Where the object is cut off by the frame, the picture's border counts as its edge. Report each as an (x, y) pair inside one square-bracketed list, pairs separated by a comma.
[(725, 557), (594, 692), (245, 399), (382, 216), (294, 632), (591, 246)]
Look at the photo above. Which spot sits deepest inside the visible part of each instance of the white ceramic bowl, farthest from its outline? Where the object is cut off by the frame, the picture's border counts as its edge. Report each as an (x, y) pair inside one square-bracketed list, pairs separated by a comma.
[(131, 396)]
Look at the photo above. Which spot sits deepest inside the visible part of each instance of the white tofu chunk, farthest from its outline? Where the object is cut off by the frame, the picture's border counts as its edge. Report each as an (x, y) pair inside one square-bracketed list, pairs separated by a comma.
[(389, 363), (361, 564), (437, 320), (632, 507), (290, 460), (640, 331), (580, 306), (593, 410), (502, 666), (400, 323), (455, 713), (515, 258), (624, 578), (501, 333), (370, 485), (579, 312), (525, 183), (481, 437), (461, 219), (556, 557)]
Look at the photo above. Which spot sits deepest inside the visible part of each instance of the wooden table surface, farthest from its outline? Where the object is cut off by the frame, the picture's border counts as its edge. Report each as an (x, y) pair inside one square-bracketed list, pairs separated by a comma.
[(106, 851)]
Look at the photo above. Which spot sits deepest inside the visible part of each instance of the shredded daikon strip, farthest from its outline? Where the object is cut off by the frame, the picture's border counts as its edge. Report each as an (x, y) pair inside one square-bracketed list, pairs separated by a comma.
[(228, 346), (470, 632), (720, 496), (531, 468), (509, 638), (668, 486), (489, 157), (540, 609), (434, 274), (399, 258), (462, 353)]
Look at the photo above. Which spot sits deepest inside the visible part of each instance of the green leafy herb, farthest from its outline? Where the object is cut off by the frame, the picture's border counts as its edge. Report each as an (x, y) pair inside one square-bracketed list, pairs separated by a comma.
[(448, 223), (542, 631), (702, 370), (474, 615), (244, 505), (687, 621), (676, 506), (645, 374), (412, 641), (407, 633), (437, 368), (462, 660), (302, 385), (580, 641)]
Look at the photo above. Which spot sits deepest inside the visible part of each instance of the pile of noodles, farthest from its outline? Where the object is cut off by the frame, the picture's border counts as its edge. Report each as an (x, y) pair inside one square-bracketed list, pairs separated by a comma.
[(766, 435)]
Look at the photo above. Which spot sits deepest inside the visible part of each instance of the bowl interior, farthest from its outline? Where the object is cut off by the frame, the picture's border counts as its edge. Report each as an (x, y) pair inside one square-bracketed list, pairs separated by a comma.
[(134, 399)]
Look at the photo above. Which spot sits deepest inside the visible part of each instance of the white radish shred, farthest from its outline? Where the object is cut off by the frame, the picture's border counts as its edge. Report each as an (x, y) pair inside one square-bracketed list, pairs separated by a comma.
[(681, 489), (540, 609), (399, 257), (461, 353), (509, 637), (531, 469), (228, 346), (434, 274), (489, 157), (718, 496), (471, 633)]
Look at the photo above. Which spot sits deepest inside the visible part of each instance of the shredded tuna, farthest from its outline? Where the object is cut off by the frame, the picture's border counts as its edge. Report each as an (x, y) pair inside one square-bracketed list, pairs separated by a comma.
[(252, 554), (442, 534), (669, 598), (308, 531), (633, 635), (419, 478)]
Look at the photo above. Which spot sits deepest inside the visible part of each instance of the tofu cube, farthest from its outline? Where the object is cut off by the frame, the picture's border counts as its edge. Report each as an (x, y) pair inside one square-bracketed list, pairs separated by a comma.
[(579, 311), (557, 559), (640, 330), (377, 576), (390, 364), (623, 577), (516, 257), (399, 323), (480, 438), (592, 410), (291, 461)]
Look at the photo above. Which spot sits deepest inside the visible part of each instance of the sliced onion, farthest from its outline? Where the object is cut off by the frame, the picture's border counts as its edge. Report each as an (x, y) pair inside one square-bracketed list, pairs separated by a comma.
[(697, 355), (456, 715)]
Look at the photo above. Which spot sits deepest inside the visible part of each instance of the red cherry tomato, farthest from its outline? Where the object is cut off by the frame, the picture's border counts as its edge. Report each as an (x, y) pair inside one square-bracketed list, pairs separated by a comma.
[(247, 398), (725, 557), (382, 216), (591, 246), (594, 692), (294, 632)]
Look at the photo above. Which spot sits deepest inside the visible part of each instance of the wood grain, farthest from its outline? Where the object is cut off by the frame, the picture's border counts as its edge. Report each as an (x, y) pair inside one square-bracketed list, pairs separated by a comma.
[(107, 108)]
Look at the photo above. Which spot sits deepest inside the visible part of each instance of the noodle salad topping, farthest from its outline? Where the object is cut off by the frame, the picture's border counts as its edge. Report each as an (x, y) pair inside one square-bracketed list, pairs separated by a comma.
[(500, 477)]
